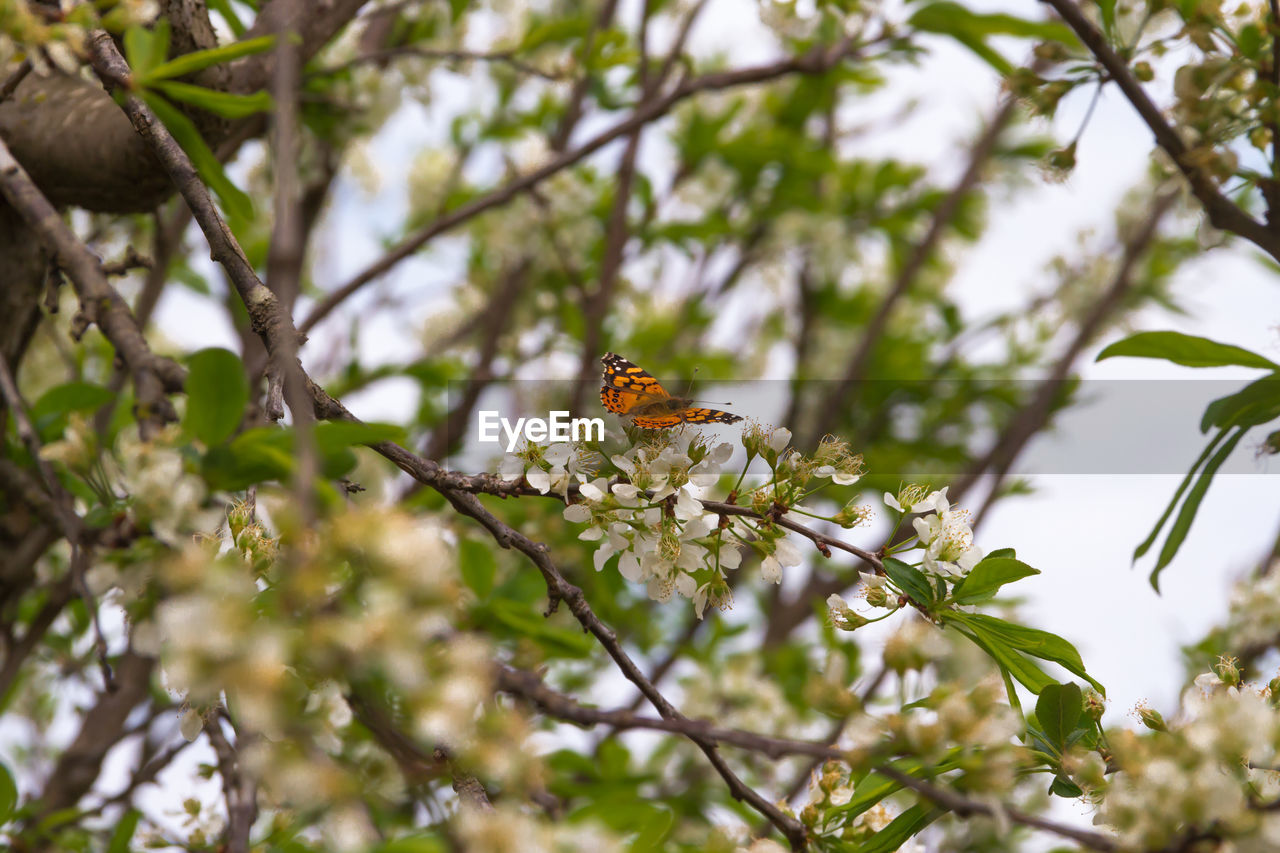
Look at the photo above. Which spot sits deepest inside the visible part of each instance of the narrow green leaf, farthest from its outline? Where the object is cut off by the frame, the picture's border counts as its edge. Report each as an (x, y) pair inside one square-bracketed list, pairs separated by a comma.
[(223, 104), (1031, 641), (1107, 10), (902, 828), (223, 8), (873, 787), (1058, 709), (910, 580), (217, 392), (1182, 524), (199, 60), (236, 202), (1177, 495), (125, 827), (988, 576), (1187, 350), (947, 17), (137, 49), (1022, 670)]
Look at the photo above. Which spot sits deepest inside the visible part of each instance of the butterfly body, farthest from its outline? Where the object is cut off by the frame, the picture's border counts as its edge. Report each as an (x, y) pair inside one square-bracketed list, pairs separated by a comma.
[(632, 392)]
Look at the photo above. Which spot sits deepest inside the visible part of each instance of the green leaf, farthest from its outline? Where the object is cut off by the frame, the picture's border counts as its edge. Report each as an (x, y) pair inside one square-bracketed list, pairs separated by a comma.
[(478, 566), (8, 795), (873, 787), (910, 580), (526, 623), (1249, 40), (255, 456), (1058, 709), (236, 202), (332, 435), (1010, 662), (49, 414), (217, 392), (988, 576), (1187, 350), (554, 29), (199, 60), (1031, 641), (902, 828), (1255, 403), (146, 48), (1186, 515), (223, 8), (972, 29), (1064, 787), (223, 104), (1107, 10), (120, 839), (1177, 495)]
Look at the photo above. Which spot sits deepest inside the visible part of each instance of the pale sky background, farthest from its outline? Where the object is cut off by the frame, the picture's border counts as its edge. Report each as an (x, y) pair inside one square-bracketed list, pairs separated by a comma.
[(1079, 530)]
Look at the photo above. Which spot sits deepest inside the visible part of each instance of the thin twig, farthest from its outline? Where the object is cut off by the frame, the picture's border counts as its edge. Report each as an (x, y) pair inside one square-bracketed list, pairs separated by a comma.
[(64, 507), (15, 79), (505, 57), (529, 686), (816, 61), (238, 789)]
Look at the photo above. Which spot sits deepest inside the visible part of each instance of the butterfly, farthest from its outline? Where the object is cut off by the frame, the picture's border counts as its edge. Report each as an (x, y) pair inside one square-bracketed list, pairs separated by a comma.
[(630, 391)]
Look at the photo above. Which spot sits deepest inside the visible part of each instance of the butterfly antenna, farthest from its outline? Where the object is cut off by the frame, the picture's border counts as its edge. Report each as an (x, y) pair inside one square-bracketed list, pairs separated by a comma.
[(689, 388)]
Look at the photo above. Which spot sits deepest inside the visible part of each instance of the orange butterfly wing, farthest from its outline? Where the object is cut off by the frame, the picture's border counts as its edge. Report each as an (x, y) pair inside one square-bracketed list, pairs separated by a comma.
[(628, 387)]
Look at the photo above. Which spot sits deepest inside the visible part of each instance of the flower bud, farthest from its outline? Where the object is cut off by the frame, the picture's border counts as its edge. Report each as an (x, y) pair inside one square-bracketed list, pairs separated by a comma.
[(1228, 671), (877, 596), (1152, 719), (1093, 705)]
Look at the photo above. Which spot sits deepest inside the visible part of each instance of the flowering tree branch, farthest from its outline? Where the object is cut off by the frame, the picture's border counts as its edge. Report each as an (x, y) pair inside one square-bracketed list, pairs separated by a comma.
[(530, 687), (276, 330)]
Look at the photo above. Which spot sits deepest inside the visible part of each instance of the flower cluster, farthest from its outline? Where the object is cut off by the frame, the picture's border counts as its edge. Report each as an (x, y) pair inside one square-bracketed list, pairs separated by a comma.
[(549, 468), (652, 516), (944, 534), (1210, 769), (364, 604), (150, 478)]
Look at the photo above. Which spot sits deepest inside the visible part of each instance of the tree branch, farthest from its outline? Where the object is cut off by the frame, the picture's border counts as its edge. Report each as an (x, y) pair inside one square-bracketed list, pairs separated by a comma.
[(816, 61), (1223, 213), (152, 375)]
